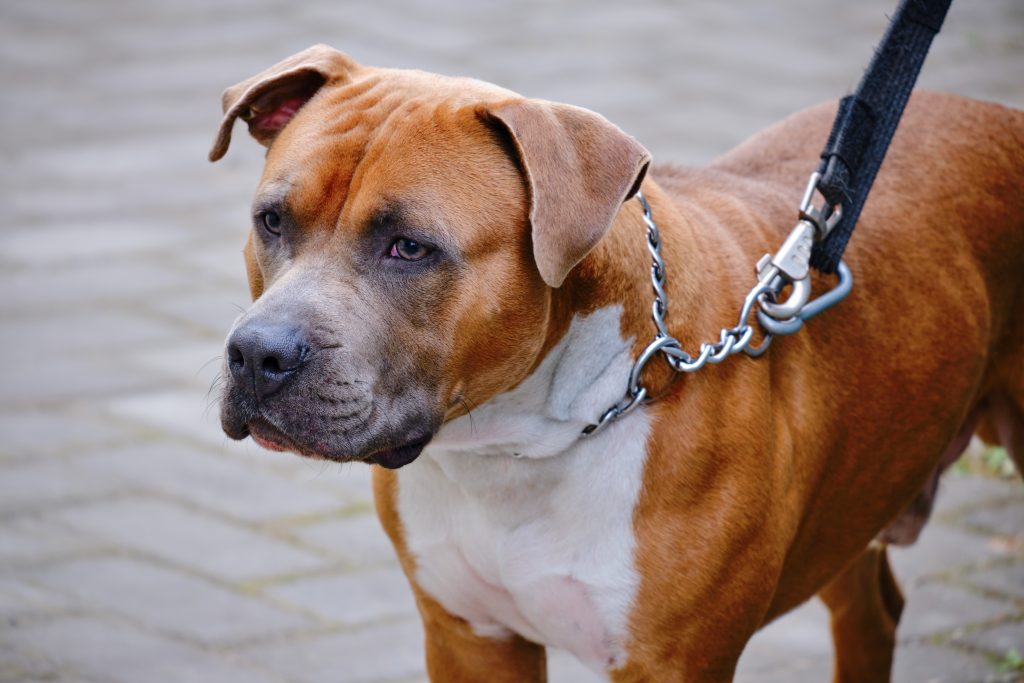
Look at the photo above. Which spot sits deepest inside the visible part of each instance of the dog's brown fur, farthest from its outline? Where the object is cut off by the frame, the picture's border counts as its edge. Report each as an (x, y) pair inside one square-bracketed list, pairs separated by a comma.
[(766, 480)]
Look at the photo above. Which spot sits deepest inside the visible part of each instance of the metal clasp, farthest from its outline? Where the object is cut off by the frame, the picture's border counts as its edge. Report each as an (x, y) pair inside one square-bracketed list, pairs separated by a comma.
[(824, 217), (789, 266), (791, 263)]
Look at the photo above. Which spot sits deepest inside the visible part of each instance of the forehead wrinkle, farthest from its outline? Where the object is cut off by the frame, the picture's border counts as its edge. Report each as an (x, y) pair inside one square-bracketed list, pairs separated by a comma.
[(325, 178), (361, 118), (375, 145), (359, 112), (353, 104)]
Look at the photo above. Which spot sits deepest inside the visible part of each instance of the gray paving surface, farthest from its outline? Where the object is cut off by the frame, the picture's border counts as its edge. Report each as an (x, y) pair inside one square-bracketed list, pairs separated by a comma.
[(137, 545)]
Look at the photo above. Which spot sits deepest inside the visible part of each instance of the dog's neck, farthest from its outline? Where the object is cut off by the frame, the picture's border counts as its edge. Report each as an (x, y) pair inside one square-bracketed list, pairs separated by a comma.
[(543, 415), (618, 273), (600, 322)]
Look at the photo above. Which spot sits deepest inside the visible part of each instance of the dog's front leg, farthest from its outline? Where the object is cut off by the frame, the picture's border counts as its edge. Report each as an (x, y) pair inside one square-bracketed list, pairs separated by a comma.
[(699, 641), (688, 663), (455, 654)]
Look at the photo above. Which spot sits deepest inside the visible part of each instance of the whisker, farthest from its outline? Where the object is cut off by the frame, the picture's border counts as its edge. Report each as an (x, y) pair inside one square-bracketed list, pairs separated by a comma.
[(218, 357), (211, 393), (469, 414)]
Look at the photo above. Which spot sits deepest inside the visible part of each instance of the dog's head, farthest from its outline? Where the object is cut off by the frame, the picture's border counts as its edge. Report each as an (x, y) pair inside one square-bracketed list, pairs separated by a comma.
[(407, 233)]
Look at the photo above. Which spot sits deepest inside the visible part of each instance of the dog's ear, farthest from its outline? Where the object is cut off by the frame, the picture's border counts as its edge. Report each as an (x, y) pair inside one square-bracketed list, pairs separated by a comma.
[(269, 100), (580, 169)]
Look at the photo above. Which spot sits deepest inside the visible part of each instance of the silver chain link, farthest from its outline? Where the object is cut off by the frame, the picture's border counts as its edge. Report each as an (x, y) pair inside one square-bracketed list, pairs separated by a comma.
[(789, 266)]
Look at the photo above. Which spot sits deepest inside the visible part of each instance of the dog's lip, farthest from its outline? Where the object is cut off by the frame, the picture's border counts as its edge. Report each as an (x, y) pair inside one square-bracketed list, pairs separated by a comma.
[(270, 437), (393, 458), (266, 441), (273, 439)]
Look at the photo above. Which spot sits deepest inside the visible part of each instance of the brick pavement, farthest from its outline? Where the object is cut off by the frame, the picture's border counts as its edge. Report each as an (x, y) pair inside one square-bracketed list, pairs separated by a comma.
[(138, 545)]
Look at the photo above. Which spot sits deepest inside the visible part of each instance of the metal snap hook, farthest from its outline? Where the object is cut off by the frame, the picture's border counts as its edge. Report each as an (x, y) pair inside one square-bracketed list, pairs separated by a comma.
[(792, 306)]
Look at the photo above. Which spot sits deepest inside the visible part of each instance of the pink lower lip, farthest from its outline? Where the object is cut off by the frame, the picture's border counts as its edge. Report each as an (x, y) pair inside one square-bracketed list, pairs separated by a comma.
[(267, 443)]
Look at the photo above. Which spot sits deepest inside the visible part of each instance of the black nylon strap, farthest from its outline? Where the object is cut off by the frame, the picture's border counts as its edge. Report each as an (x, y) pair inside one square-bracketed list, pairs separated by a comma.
[(867, 120)]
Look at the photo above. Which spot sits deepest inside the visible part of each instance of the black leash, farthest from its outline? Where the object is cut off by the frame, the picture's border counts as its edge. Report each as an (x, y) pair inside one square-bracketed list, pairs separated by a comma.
[(868, 118)]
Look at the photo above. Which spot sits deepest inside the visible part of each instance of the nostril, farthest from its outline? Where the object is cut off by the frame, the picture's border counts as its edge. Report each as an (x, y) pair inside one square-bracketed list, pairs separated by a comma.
[(272, 365), (236, 358)]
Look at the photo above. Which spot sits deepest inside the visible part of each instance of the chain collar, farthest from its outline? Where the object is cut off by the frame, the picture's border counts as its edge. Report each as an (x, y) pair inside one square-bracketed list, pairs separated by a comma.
[(788, 267)]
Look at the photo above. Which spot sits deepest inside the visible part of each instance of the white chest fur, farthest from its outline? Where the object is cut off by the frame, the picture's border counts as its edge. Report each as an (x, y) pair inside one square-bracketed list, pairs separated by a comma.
[(518, 525)]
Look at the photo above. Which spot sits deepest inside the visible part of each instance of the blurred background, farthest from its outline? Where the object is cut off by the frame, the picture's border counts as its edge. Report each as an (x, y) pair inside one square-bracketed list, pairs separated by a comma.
[(138, 545)]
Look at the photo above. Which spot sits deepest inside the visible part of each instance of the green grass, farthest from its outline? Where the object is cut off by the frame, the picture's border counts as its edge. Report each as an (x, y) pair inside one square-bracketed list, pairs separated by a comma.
[(989, 461), (1012, 661)]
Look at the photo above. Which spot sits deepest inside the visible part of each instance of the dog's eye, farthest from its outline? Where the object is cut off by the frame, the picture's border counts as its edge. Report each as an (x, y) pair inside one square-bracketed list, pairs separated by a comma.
[(271, 221), (408, 250)]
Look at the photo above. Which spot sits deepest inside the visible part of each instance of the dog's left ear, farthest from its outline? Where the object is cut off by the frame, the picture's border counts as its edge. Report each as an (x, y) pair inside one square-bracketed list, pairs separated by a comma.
[(269, 100), (580, 169)]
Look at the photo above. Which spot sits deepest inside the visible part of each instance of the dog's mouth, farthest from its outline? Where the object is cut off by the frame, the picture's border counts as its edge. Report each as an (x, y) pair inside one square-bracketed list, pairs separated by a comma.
[(270, 437), (393, 458)]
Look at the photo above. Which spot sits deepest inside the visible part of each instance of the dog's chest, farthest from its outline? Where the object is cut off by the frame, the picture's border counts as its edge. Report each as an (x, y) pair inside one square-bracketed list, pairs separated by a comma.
[(542, 544)]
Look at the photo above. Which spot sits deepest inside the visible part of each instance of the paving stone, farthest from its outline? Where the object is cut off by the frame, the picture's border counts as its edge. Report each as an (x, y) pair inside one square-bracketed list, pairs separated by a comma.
[(38, 339), (74, 354), (354, 479), (1003, 520), (938, 608), (798, 645), (942, 549), (32, 433), (810, 668), (1007, 579), (19, 598), (210, 311), (86, 240), (351, 480), (228, 485), (18, 666), (359, 539), (929, 664), (190, 539), (192, 412), (225, 265), (194, 363), (378, 653), (35, 539), (997, 640), (116, 653), (63, 287), (34, 379), (958, 491), (352, 598), (43, 483), (168, 600)]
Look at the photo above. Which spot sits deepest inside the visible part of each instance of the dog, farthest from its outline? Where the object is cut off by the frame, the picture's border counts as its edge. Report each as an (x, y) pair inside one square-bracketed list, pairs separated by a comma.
[(451, 281)]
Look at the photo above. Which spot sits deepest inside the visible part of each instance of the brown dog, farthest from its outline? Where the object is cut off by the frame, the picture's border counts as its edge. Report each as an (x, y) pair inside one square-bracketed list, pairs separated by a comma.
[(440, 261)]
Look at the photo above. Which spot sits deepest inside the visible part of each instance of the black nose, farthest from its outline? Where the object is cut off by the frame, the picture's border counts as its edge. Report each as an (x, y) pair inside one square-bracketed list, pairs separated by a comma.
[(265, 354)]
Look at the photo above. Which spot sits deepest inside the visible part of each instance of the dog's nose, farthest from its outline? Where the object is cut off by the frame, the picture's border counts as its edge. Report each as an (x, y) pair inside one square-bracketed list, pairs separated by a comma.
[(266, 355)]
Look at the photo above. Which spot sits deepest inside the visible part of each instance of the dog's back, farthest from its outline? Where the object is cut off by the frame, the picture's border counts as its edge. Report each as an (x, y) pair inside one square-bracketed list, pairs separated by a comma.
[(954, 173)]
